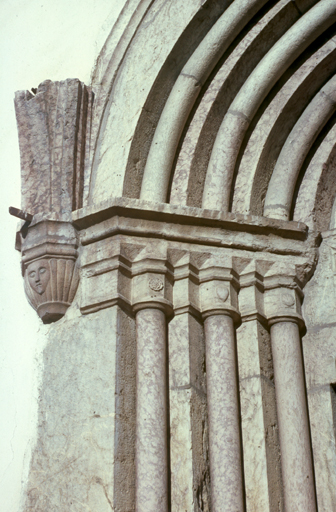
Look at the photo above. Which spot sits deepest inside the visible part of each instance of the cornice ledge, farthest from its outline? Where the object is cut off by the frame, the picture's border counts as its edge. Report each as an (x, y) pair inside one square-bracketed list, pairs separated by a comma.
[(185, 215)]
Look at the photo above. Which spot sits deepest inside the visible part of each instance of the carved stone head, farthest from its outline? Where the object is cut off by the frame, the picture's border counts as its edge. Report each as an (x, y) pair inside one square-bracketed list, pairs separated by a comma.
[(39, 275), (50, 285), (49, 266)]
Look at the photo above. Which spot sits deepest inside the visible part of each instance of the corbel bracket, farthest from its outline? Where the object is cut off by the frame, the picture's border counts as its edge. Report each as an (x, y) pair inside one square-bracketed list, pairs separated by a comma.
[(53, 125)]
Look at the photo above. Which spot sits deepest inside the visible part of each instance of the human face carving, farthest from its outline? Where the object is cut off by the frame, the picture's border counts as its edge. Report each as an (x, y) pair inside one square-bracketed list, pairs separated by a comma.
[(39, 275)]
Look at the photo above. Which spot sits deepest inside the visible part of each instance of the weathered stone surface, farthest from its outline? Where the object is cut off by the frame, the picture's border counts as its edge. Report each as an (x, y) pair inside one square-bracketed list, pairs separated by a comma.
[(262, 469), (77, 412), (319, 347), (202, 407), (53, 125), (84, 455), (190, 486)]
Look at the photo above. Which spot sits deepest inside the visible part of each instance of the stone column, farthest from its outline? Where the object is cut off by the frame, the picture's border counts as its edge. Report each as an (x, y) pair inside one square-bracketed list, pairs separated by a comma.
[(190, 480), (150, 288), (226, 470), (262, 466), (292, 410), (151, 412)]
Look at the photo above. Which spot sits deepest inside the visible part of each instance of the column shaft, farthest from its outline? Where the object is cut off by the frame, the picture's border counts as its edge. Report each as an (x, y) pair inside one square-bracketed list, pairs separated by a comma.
[(262, 472), (224, 419), (295, 446), (187, 394), (151, 413)]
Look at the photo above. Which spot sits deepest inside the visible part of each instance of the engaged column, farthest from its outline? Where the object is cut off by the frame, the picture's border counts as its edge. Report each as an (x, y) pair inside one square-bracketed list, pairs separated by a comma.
[(219, 300), (295, 444), (151, 308)]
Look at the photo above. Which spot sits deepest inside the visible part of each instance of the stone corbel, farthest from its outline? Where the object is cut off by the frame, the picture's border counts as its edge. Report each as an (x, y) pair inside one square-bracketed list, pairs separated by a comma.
[(49, 266), (53, 125)]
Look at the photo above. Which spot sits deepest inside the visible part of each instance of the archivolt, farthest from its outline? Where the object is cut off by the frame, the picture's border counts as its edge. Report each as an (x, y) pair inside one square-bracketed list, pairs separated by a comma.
[(242, 108), (295, 150)]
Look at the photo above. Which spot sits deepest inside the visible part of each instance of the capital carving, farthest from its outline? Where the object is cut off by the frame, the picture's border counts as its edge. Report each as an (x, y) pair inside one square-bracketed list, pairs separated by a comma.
[(219, 285), (156, 284), (49, 266), (152, 291), (50, 286), (282, 298), (222, 293)]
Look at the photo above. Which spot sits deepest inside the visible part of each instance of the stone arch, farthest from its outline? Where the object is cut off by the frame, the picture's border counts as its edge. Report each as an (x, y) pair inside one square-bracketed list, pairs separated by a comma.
[(220, 105), (279, 198), (118, 71)]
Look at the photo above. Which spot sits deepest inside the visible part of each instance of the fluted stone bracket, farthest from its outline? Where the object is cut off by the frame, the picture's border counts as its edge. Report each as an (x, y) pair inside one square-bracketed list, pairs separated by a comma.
[(49, 265), (54, 133)]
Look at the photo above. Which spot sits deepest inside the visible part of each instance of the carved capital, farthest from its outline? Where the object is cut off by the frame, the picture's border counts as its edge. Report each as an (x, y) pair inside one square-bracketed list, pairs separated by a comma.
[(251, 294), (283, 296), (185, 266), (49, 267), (107, 275), (219, 286), (152, 281), (130, 275)]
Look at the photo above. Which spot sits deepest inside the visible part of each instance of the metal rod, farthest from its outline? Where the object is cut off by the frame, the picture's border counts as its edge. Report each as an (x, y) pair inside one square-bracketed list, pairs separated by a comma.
[(20, 214)]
